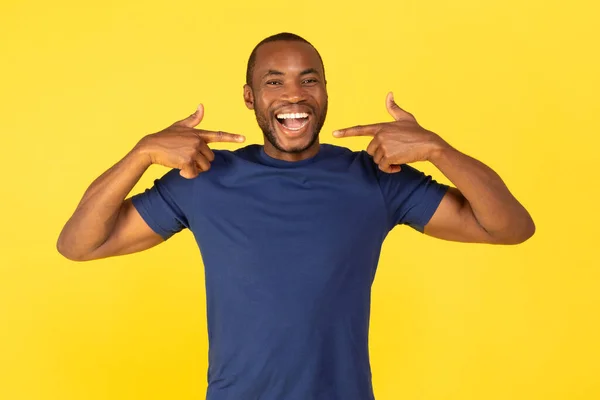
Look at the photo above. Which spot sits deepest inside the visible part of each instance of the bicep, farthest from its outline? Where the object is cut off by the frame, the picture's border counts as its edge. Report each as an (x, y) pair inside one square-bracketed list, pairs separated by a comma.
[(130, 234), (454, 220)]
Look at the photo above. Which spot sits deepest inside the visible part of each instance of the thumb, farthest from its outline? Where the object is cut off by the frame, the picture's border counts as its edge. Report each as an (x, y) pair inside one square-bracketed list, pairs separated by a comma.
[(394, 109), (195, 118)]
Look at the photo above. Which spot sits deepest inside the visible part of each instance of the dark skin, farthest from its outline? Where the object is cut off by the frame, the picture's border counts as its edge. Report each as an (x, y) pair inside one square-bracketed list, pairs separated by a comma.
[(289, 79)]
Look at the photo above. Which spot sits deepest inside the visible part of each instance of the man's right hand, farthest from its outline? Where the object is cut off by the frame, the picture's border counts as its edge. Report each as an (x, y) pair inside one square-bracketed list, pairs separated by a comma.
[(183, 147)]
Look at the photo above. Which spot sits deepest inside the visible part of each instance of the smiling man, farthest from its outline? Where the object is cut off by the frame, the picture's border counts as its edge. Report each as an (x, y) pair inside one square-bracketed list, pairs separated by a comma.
[(287, 90), (291, 231)]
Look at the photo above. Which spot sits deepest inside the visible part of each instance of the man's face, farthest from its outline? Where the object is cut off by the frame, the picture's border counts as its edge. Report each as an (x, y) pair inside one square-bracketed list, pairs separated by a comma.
[(288, 95)]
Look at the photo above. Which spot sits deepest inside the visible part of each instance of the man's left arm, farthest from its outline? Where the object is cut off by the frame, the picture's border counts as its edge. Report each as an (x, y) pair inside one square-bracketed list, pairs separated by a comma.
[(480, 209)]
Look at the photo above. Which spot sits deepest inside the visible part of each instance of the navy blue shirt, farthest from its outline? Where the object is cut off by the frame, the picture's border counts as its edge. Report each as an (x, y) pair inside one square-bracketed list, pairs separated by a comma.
[(290, 251)]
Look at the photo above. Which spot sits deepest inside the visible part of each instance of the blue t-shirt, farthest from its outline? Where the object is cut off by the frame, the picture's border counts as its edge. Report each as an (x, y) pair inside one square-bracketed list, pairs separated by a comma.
[(290, 251)]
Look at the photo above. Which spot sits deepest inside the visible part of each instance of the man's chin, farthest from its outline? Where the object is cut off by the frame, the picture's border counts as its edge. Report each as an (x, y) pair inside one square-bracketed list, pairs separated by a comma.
[(298, 145)]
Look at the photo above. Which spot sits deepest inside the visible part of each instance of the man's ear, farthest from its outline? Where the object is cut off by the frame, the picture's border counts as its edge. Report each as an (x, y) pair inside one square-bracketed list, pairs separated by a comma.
[(248, 97)]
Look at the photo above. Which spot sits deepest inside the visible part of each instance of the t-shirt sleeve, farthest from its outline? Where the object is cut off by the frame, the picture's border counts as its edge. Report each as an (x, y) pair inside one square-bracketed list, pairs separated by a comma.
[(162, 205), (411, 196)]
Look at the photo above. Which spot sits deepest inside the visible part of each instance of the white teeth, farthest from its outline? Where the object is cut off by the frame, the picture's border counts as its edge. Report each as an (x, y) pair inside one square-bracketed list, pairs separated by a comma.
[(292, 115)]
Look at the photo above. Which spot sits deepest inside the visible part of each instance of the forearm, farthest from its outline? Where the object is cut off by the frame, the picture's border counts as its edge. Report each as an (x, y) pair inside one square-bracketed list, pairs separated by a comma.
[(494, 207), (95, 216)]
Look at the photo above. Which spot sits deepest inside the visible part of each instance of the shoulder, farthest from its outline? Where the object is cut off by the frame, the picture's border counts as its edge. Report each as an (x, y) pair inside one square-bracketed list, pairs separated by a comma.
[(356, 160), (227, 157), (334, 150), (224, 160), (340, 153), (407, 172)]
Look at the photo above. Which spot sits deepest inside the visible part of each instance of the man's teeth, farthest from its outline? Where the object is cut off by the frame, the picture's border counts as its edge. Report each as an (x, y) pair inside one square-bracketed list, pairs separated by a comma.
[(292, 115)]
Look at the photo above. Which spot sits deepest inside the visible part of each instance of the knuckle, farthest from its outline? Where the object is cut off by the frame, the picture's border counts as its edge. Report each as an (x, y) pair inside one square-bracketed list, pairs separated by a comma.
[(185, 159), (199, 141)]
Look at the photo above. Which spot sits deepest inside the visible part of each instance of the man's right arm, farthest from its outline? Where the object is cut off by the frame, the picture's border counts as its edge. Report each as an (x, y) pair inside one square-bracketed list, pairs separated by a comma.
[(106, 224)]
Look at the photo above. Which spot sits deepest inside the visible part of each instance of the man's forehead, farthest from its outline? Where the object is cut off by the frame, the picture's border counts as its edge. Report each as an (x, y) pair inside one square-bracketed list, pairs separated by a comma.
[(292, 56)]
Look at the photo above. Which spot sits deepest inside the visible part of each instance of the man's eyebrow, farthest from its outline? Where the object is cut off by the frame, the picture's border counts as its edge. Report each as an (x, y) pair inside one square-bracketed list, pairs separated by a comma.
[(304, 72), (309, 71), (272, 72)]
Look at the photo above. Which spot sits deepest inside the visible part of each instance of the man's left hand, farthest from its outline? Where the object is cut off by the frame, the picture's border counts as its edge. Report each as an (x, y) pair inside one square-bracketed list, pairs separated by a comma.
[(402, 141)]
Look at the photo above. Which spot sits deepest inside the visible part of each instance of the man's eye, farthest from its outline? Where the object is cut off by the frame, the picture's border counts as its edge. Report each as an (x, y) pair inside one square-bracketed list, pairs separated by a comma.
[(310, 80), (273, 83)]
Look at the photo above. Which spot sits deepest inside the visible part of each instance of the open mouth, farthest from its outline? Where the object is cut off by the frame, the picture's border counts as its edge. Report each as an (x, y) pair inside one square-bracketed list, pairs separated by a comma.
[(293, 123)]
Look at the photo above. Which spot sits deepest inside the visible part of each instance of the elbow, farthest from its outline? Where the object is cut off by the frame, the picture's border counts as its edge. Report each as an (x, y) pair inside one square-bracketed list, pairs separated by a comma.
[(519, 233), (65, 250), (524, 235), (528, 229)]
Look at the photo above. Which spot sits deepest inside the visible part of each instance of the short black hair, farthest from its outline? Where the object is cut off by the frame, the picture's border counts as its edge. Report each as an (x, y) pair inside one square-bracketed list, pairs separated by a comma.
[(283, 36)]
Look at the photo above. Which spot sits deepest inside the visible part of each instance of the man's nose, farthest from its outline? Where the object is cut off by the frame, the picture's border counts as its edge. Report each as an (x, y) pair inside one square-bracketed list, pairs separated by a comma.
[(294, 92)]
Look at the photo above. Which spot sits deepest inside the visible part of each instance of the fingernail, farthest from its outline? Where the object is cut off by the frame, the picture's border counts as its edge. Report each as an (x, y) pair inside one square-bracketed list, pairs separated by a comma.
[(337, 133), (241, 138)]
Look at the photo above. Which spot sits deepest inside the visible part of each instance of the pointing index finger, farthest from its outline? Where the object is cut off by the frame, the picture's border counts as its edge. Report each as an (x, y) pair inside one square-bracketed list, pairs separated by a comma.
[(358, 130), (220, 136)]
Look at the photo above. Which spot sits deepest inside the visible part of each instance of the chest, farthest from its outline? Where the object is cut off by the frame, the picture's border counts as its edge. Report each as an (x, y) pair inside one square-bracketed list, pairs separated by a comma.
[(291, 210)]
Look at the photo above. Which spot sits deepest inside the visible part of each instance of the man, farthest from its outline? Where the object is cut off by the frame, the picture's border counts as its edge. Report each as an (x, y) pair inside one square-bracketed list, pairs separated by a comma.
[(291, 232)]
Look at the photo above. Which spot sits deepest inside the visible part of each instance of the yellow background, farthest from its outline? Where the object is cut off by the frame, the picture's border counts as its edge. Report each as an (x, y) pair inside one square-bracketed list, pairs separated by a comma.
[(512, 83)]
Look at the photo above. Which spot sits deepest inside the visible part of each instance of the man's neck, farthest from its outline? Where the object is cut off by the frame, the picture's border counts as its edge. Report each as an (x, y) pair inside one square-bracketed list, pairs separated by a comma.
[(310, 152)]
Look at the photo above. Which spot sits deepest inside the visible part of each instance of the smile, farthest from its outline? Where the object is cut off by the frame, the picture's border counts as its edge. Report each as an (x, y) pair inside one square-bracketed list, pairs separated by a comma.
[(293, 121), (293, 124)]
